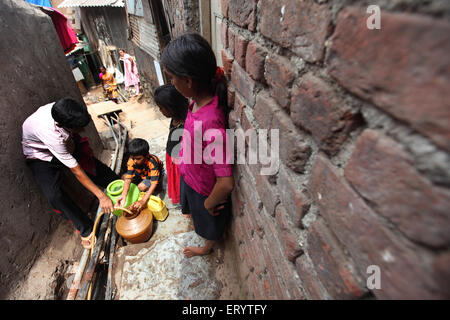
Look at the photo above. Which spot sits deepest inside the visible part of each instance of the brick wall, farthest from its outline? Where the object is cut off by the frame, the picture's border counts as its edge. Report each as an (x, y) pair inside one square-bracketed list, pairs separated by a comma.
[(364, 170)]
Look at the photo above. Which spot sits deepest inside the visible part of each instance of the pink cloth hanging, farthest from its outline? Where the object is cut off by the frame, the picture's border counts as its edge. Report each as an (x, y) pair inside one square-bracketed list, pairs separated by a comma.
[(66, 35)]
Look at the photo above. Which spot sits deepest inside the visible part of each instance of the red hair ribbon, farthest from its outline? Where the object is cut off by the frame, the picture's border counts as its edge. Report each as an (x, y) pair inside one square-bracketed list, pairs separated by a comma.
[(219, 74)]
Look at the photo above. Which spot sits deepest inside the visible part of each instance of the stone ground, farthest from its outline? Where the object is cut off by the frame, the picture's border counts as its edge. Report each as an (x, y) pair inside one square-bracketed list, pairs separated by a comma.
[(156, 269)]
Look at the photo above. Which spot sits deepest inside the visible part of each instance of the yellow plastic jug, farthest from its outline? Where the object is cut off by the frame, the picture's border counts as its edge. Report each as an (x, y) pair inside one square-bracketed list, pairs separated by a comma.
[(158, 208)]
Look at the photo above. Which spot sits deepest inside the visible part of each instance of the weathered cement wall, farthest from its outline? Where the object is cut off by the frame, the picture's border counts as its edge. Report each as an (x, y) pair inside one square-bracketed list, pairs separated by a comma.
[(184, 16), (145, 42), (33, 72)]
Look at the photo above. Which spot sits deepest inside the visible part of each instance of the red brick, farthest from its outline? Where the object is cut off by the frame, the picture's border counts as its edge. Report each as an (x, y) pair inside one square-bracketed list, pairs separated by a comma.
[(255, 169), (243, 268), (259, 263), (243, 13), (240, 49), (243, 83), (267, 289), (273, 274), (247, 188), (294, 151), (224, 7), (403, 68), (238, 232), (255, 221), (267, 194), (382, 172), (280, 270), (287, 234), (254, 61), (231, 35), (311, 284), (241, 231), (224, 34), (251, 257), (227, 61), (331, 265), (239, 106), (246, 123), (254, 287), (302, 28), (246, 234), (264, 110), (286, 270), (316, 109), (231, 95), (283, 220), (404, 269), (237, 202), (293, 198), (290, 245), (279, 75), (441, 268), (232, 119)]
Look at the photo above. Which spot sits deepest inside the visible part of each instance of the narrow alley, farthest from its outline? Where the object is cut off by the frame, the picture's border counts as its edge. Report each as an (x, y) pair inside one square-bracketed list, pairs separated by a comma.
[(157, 269)]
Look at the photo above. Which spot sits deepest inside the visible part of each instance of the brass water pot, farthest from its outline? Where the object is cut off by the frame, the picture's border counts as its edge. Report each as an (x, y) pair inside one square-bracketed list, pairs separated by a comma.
[(135, 227)]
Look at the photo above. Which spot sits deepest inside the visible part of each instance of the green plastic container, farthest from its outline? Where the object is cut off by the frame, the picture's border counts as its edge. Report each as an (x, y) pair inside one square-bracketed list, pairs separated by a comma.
[(114, 190)]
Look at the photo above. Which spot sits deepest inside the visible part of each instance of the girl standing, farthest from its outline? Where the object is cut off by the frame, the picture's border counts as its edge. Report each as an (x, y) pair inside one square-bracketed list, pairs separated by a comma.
[(109, 85), (131, 72), (172, 104), (205, 186)]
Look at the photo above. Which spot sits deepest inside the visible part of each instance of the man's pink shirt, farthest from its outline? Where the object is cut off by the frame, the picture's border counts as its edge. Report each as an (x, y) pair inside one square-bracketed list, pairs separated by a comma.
[(42, 139)]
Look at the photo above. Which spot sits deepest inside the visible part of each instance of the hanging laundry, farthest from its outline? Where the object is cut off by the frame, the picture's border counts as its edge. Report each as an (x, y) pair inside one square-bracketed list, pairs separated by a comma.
[(63, 28)]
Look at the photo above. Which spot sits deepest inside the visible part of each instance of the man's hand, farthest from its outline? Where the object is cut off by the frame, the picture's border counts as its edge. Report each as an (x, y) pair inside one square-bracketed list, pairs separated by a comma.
[(119, 201), (137, 206), (106, 204)]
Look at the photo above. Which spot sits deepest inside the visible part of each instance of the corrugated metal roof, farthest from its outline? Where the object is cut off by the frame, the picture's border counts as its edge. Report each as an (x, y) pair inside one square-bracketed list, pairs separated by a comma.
[(91, 3)]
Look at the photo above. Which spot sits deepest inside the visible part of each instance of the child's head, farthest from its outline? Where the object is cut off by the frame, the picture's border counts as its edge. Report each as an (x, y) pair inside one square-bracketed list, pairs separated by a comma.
[(171, 102), (190, 61), (138, 149), (70, 114)]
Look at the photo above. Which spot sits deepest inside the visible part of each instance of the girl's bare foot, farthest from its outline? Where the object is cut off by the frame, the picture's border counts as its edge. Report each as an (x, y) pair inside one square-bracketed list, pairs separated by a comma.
[(199, 251), (195, 251)]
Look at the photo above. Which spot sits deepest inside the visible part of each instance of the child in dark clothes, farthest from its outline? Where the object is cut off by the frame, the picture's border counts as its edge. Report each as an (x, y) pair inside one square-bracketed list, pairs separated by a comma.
[(143, 169), (172, 104)]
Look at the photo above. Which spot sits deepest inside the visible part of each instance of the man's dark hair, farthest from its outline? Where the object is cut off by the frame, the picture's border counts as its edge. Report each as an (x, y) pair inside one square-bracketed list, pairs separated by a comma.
[(68, 113), (138, 147), (168, 97)]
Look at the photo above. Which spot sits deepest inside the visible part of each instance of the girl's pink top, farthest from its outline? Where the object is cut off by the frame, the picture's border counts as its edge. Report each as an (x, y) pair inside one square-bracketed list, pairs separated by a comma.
[(204, 134)]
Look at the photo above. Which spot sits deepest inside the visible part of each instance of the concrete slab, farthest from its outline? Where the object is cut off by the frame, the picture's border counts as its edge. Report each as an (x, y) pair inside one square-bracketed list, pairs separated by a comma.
[(104, 107), (163, 272)]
